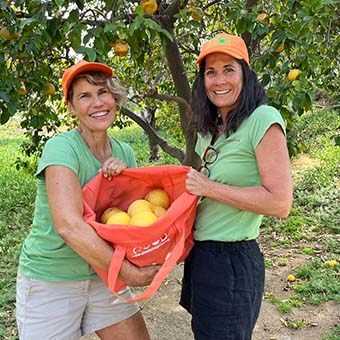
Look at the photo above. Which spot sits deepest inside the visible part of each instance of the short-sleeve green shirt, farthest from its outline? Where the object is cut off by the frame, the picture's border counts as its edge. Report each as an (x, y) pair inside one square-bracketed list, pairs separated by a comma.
[(45, 255), (236, 165)]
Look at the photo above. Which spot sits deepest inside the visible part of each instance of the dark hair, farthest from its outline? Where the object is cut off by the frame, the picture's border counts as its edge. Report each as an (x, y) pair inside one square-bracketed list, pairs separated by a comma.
[(252, 95)]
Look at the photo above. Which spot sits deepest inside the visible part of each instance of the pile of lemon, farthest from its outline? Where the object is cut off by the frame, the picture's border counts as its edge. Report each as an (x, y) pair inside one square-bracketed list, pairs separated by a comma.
[(141, 212)]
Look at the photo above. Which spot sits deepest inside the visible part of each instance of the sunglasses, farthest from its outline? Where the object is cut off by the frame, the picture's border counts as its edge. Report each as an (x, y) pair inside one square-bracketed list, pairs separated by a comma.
[(209, 157)]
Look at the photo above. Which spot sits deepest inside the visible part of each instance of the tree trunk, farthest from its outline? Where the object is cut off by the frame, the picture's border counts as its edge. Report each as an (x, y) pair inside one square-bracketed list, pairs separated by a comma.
[(181, 82)]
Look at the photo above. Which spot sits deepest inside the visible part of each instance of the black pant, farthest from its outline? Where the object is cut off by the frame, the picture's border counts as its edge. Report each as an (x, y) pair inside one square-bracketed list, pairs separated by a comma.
[(222, 288)]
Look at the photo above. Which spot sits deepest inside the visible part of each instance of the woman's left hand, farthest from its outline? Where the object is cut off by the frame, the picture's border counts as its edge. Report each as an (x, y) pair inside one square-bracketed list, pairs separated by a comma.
[(113, 167), (197, 183)]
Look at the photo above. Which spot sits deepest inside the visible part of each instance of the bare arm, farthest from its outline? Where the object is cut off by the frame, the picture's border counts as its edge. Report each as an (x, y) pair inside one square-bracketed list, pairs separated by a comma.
[(273, 197), (66, 204)]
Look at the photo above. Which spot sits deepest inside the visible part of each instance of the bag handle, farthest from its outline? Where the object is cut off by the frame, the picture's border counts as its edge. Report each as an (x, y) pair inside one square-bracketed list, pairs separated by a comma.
[(170, 261)]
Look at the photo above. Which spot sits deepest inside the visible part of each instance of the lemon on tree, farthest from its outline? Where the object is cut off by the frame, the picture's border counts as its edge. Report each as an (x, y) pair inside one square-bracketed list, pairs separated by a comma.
[(120, 217), (49, 89), (281, 47), (120, 48), (109, 212), (22, 90), (293, 74), (149, 6), (158, 197), (263, 17), (196, 13), (143, 218), (4, 32)]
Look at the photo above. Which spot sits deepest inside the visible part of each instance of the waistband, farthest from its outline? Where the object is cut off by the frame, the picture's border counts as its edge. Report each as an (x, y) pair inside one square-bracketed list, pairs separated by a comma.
[(220, 245)]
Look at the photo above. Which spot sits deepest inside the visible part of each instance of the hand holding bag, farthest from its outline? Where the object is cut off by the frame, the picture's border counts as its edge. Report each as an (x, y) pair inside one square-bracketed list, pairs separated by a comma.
[(167, 241)]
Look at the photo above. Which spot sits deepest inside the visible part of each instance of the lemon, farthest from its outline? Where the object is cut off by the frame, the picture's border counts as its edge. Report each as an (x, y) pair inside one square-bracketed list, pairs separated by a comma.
[(196, 14), (158, 197), (158, 210), (261, 16), (143, 218), (22, 90), (120, 217), (138, 206), (281, 47), (108, 212), (331, 263), (291, 277), (121, 48), (149, 6), (293, 74), (4, 32), (49, 89)]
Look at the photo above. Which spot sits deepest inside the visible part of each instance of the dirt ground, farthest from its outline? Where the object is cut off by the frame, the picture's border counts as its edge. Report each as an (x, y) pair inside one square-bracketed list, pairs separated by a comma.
[(166, 320)]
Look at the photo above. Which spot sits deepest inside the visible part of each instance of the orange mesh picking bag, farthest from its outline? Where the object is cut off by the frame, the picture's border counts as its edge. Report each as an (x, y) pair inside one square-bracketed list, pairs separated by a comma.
[(167, 241)]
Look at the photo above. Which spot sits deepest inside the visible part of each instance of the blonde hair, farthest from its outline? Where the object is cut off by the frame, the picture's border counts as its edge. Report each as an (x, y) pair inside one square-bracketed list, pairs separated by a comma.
[(100, 78)]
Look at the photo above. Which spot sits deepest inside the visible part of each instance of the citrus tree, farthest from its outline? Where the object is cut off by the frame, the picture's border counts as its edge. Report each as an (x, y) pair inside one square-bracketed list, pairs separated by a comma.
[(152, 47)]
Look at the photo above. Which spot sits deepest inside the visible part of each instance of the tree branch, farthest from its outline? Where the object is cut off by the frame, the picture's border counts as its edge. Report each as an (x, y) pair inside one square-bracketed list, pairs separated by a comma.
[(164, 145), (171, 98)]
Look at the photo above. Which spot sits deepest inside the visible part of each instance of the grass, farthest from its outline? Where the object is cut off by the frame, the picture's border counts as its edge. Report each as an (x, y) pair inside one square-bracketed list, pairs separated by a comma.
[(332, 334), (17, 190), (312, 228)]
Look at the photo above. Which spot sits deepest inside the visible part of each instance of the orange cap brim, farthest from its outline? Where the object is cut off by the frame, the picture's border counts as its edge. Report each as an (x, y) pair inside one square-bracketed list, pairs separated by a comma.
[(225, 43), (81, 67)]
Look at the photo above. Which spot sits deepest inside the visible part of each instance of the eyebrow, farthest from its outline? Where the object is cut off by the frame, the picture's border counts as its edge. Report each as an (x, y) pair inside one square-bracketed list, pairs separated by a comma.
[(226, 65), (99, 89)]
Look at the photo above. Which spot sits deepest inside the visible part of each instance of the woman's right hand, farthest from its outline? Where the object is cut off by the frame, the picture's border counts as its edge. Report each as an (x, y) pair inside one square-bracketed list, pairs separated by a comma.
[(135, 276)]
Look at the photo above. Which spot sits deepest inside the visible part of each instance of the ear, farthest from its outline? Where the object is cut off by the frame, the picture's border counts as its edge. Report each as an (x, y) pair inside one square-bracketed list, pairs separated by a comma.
[(70, 107)]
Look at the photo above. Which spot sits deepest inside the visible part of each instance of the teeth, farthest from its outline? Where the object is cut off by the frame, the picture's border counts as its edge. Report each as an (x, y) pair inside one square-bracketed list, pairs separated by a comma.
[(99, 114), (222, 92)]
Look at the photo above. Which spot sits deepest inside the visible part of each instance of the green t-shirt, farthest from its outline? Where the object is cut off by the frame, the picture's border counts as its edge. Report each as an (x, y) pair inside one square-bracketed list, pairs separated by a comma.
[(45, 255), (236, 165)]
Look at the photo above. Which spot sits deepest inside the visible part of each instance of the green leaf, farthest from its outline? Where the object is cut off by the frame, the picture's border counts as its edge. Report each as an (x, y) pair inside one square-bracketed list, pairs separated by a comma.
[(4, 116), (27, 21), (111, 27), (59, 2), (53, 25), (136, 24), (166, 34), (96, 31), (40, 16), (265, 79), (75, 38), (4, 96), (80, 4), (13, 106), (99, 43), (139, 10), (74, 16), (91, 54)]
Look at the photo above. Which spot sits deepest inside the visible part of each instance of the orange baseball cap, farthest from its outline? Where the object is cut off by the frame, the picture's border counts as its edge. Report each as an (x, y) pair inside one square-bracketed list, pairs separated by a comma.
[(225, 43), (80, 67)]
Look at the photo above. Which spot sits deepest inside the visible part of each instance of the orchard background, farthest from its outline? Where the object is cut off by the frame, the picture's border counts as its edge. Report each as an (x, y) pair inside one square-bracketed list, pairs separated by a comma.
[(152, 47)]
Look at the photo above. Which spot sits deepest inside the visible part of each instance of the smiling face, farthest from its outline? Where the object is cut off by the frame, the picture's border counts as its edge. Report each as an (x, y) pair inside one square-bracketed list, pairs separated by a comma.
[(223, 81), (94, 105)]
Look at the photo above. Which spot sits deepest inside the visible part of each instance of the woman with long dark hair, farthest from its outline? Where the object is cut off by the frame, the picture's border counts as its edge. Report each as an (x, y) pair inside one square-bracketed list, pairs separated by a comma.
[(245, 174)]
